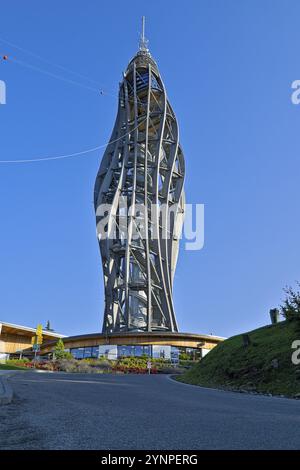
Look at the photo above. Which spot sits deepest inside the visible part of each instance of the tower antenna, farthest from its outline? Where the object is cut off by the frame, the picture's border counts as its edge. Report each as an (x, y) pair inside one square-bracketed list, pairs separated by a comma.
[(143, 41)]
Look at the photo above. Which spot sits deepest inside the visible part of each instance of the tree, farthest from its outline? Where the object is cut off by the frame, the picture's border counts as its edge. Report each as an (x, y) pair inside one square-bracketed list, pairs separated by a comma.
[(48, 326), (291, 304), (59, 350)]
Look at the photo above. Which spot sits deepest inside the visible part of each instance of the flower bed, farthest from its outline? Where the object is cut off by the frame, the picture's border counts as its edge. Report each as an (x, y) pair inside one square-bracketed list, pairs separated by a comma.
[(124, 365)]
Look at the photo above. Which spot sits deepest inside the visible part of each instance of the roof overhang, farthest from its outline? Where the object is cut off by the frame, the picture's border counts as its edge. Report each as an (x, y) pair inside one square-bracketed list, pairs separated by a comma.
[(12, 329)]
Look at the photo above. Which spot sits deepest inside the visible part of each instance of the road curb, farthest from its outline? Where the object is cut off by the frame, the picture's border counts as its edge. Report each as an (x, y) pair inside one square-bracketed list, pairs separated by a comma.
[(235, 391), (6, 391)]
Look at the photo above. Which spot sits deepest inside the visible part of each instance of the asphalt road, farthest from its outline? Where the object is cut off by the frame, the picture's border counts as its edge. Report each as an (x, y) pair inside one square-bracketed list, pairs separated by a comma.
[(64, 411)]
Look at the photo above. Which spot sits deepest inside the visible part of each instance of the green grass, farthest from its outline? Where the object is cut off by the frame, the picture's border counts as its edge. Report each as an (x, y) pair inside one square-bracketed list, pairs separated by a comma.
[(9, 367), (233, 366)]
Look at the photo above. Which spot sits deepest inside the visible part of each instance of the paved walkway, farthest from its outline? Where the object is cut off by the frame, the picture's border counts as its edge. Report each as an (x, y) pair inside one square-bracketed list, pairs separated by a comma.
[(6, 393), (65, 411)]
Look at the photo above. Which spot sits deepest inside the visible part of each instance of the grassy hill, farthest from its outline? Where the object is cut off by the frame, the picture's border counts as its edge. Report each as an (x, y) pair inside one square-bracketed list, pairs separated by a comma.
[(264, 366), (11, 367)]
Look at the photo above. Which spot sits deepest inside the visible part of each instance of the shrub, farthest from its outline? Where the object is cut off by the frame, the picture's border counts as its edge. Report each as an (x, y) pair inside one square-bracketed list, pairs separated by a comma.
[(104, 366), (43, 365), (83, 368), (67, 365), (29, 364), (80, 366), (290, 309), (98, 365)]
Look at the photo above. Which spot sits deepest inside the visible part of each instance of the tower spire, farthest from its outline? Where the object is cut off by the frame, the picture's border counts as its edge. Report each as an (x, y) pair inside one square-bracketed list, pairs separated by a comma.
[(143, 41)]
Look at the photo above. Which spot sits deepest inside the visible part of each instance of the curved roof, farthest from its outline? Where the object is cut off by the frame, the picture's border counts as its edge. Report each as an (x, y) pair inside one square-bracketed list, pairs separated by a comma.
[(192, 340)]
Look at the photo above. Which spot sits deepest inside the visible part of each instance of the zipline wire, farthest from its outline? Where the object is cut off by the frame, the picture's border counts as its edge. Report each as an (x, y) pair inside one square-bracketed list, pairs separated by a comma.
[(46, 61), (76, 154)]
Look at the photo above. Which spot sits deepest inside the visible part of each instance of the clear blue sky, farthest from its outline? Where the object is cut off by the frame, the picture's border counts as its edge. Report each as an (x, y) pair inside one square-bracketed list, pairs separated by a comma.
[(228, 67)]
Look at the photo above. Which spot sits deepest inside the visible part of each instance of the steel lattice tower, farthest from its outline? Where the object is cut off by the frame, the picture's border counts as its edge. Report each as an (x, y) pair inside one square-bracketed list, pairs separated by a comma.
[(143, 165)]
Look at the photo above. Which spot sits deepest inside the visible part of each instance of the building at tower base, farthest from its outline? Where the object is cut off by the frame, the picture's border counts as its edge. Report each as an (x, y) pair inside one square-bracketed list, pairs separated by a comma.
[(163, 345)]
